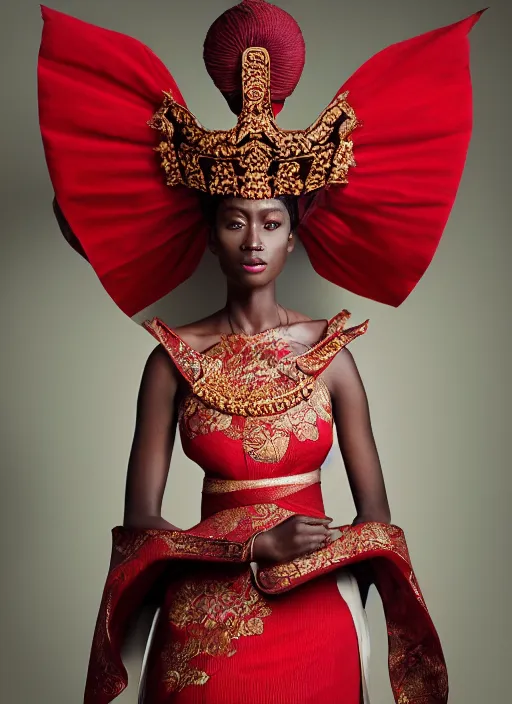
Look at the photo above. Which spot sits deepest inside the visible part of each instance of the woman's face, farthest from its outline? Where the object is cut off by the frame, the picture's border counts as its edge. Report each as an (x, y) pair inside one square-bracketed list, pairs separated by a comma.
[(252, 240)]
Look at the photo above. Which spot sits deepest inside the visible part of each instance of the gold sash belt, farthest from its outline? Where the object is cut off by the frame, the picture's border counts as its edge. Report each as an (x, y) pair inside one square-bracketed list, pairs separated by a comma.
[(222, 486)]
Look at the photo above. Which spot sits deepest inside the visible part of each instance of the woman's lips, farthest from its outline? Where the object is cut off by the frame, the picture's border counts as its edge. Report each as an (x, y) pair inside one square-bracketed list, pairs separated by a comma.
[(255, 268)]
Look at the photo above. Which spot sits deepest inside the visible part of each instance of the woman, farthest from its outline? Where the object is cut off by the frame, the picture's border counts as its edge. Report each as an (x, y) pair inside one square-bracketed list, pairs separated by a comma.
[(254, 336), (264, 584)]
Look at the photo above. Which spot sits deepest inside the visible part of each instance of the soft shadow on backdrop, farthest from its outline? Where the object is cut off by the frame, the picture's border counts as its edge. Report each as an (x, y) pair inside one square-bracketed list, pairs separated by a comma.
[(436, 370)]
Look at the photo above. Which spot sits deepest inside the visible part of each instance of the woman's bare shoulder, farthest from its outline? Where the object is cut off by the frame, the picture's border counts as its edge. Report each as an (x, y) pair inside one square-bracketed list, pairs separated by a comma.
[(202, 334), (296, 317), (159, 370), (304, 329)]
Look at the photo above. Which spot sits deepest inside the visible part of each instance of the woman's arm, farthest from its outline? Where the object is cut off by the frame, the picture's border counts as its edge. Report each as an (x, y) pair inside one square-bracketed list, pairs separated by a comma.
[(357, 444), (355, 437), (153, 442), (152, 445)]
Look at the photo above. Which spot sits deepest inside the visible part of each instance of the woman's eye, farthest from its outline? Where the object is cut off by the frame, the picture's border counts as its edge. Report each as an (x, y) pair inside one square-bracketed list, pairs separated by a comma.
[(234, 225), (272, 225)]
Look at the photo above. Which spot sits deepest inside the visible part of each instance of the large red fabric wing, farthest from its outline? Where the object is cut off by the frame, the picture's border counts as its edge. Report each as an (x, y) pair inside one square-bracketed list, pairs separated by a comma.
[(377, 235), (97, 90)]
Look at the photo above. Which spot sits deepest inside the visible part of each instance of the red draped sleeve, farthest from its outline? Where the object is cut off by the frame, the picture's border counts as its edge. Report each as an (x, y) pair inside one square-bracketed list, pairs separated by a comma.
[(416, 663)]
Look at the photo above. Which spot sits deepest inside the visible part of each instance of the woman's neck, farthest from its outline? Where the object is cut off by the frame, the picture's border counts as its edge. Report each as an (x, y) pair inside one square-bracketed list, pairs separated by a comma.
[(253, 311)]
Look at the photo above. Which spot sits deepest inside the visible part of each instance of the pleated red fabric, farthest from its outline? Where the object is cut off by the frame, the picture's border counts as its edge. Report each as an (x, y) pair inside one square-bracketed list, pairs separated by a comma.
[(255, 23), (97, 90), (375, 236)]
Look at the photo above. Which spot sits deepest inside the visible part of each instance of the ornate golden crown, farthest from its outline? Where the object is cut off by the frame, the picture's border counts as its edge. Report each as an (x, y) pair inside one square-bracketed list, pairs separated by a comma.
[(255, 159)]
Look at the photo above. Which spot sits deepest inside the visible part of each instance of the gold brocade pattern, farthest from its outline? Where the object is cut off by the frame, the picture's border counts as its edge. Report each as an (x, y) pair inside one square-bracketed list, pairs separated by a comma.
[(267, 439), (295, 481), (128, 542), (264, 439), (314, 361), (253, 376), (211, 607), (179, 674), (371, 536), (243, 521), (108, 680), (416, 671), (212, 614), (255, 159), (416, 664)]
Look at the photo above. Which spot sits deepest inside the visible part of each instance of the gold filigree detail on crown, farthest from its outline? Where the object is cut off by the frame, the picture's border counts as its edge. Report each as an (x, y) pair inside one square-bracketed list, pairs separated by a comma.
[(255, 159)]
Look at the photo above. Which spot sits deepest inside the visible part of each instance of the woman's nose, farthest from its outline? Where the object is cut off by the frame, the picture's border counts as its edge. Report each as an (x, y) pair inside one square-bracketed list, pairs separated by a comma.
[(252, 241)]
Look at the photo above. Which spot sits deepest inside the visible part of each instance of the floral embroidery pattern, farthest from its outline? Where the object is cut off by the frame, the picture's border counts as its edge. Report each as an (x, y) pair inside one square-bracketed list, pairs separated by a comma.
[(212, 614), (264, 438), (257, 375)]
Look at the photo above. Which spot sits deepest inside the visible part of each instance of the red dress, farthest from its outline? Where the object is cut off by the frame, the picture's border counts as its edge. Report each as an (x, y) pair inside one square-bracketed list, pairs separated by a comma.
[(257, 418), (218, 639)]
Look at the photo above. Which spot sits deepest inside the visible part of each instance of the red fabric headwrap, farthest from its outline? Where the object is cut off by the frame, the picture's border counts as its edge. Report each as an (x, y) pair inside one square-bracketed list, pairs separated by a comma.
[(375, 236), (254, 23)]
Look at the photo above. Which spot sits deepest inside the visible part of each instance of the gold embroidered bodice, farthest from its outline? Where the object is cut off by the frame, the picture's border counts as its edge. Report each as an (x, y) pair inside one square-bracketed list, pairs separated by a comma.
[(255, 409)]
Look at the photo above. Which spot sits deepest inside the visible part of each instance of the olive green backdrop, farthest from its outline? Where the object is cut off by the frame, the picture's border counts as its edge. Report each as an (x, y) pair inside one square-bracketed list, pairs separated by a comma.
[(436, 370)]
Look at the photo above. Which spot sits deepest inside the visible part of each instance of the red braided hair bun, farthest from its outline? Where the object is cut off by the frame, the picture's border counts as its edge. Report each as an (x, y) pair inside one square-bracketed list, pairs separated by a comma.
[(254, 23)]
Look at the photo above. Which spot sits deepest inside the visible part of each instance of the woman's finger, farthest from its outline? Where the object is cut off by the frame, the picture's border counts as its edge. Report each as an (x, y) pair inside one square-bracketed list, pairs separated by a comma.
[(317, 531), (311, 520)]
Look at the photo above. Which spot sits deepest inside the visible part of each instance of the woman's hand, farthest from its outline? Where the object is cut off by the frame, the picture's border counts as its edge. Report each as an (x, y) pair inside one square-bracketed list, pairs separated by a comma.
[(294, 537)]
